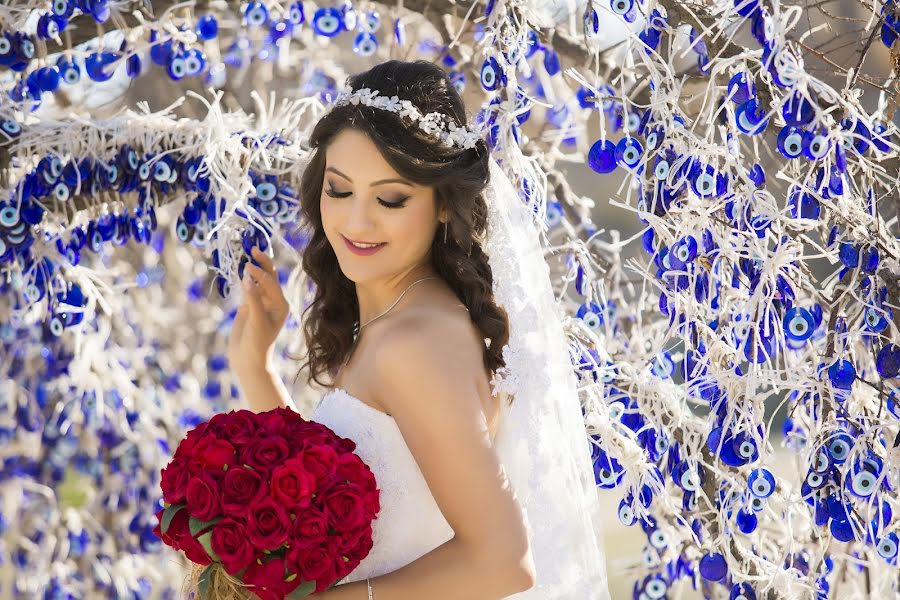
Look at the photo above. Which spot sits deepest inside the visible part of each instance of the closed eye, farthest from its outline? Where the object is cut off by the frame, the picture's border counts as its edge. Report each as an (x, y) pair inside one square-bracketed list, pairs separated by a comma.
[(399, 204)]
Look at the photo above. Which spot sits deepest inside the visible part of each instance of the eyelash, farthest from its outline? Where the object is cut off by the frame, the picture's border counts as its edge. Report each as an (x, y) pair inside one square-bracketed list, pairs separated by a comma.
[(330, 191)]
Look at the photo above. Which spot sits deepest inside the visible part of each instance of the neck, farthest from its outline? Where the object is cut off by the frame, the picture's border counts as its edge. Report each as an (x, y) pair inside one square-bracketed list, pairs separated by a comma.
[(377, 296)]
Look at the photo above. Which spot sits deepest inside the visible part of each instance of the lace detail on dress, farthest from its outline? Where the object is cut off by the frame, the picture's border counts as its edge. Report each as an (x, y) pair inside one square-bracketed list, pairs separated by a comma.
[(410, 523)]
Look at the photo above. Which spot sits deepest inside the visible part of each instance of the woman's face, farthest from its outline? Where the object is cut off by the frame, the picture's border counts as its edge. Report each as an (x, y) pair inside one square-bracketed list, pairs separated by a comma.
[(365, 200)]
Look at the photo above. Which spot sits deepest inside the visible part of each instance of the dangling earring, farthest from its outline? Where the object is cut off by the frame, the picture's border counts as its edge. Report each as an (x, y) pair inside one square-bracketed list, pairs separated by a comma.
[(446, 226)]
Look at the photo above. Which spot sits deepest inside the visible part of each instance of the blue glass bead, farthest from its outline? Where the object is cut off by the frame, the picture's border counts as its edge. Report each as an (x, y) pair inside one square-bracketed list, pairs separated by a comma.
[(887, 548), (176, 67), (761, 483), (790, 141), (839, 447), (551, 61), (47, 27), (713, 567), (841, 530), (327, 21), (591, 21), (297, 16), (69, 71), (63, 8), (194, 62), (798, 323), (741, 88), (746, 521), (365, 44), (399, 32), (888, 361), (849, 254), (628, 152), (256, 14), (160, 50), (491, 74), (750, 118), (815, 145), (869, 259), (803, 205), (95, 65), (602, 156), (207, 27), (626, 513)]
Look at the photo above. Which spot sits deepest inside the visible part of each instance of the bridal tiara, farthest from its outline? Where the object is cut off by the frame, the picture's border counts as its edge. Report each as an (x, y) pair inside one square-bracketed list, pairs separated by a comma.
[(435, 123)]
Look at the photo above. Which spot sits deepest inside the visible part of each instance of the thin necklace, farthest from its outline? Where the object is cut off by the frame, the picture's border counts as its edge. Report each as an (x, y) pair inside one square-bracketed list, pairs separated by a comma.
[(395, 301)]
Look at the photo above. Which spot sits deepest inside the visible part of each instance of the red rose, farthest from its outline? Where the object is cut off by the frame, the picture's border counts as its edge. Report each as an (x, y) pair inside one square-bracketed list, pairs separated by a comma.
[(352, 467), (267, 579), (321, 461), (353, 540), (268, 524), (174, 480), (345, 505), (212, 453), (186, 447), (292, 485), (372, 502), (178, 535), (343, 445), (237, 427), (229, 540), (271, 422), (265, 452), (311, 563), (310, 528), (290, 416), (241, 489), (203, 497)]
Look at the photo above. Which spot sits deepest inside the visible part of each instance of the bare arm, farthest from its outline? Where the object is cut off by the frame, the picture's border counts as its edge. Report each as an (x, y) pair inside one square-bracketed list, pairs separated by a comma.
[(264, 390)]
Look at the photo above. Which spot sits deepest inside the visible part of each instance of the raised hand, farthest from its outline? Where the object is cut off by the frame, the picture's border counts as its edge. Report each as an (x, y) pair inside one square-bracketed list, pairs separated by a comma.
[(259, 319)]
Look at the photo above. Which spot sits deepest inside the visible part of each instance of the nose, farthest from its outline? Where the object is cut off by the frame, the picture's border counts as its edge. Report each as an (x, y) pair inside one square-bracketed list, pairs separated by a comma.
[(359, 224)]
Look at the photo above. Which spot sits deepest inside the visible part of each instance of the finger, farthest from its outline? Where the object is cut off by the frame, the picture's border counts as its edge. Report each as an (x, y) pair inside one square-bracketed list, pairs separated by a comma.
[(237, 327), (267, 282), (264, 261), (251, 293)]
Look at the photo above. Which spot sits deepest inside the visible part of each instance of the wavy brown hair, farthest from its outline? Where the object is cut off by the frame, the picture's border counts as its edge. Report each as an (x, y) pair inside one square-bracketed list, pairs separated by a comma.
[(458, 177)]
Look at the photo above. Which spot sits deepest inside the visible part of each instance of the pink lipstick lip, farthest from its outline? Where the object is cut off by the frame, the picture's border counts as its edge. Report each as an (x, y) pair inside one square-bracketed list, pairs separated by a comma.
[(362, 251)]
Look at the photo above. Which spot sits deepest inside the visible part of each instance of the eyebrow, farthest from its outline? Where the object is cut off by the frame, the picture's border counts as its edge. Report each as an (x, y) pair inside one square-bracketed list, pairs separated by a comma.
[(374, 183)]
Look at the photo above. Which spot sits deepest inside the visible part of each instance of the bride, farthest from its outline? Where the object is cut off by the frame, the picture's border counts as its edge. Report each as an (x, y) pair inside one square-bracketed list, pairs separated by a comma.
[(421, 321)]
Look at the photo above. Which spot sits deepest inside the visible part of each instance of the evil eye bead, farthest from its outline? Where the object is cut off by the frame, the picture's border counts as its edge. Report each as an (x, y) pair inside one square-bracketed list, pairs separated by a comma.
[(266, 190), (658, 539), (655, 138), (628, 152), (9, 216), (661, 169), (47, 27), (839, 447), (621, 7), (751, 118), (176, 67), (256, 14), (746, 449), (842, 374), (69, 72), (63, 8), (144, 171), (194, 62), (663, 366), (61, 192), (863, 483), (207, 27), (56, 326), (95, 65), (798, 323), (822, 463), (887, 547), (704, 185), (490, 74), (887, 363), (269, 208), (685, 250), (296, 16), (327, 21), (161, 171), (626, 514), (10, 128), (591, 314), (790, 142), (602, 156), (689, 480), (655, 587), (365, 44), (815, 145), (757, 504), (554, 214), (761, 483), (740, 88), (815, 480), (876, 319)]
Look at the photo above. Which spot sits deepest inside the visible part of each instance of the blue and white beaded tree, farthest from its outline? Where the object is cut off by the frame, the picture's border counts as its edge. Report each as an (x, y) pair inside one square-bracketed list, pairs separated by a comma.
[(748, 168)]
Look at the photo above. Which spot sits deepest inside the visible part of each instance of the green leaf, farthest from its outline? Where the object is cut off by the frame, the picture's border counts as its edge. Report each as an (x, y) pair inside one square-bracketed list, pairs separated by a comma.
[(168, 515), (207, 545), (303, 590), (197, 525), (205, 578)]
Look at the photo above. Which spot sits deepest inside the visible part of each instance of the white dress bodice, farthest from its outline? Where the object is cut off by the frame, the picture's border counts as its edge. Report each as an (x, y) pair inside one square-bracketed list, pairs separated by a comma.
[(409, 524)]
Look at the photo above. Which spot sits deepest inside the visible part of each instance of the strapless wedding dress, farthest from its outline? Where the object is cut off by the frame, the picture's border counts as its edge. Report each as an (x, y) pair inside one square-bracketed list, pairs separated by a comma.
[(409, 524)]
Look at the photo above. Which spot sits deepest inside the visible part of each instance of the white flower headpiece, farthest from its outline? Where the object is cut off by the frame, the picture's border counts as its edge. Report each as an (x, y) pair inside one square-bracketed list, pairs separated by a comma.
[(436, 123)]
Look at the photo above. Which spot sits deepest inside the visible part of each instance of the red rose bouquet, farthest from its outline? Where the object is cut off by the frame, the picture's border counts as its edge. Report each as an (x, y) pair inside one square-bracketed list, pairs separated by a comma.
[(281, 504)]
